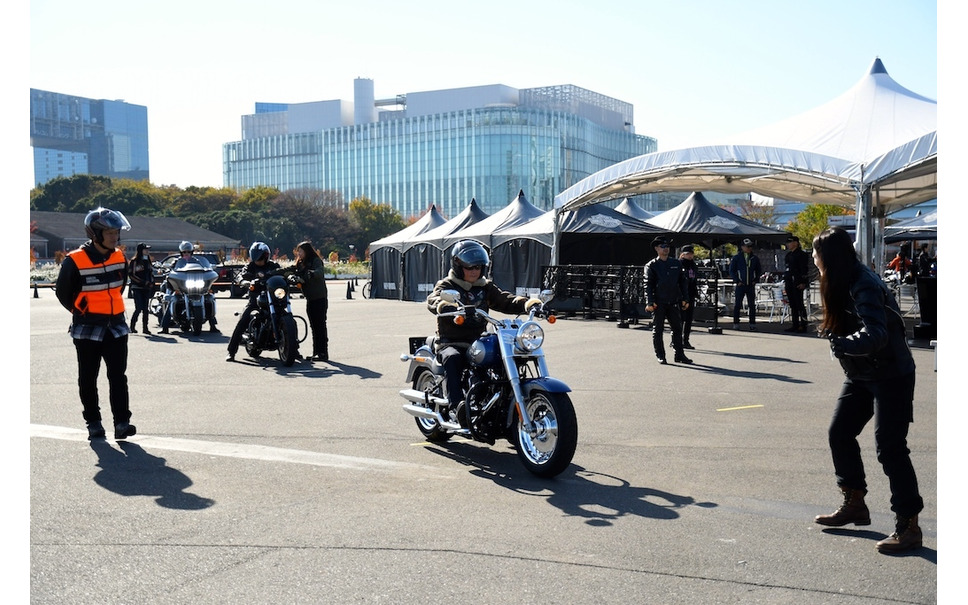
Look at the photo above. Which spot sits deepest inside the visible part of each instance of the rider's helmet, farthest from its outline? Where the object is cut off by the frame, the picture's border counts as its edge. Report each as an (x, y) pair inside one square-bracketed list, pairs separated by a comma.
[(99, 219), (259, 251), (186, 247), (468, 253)]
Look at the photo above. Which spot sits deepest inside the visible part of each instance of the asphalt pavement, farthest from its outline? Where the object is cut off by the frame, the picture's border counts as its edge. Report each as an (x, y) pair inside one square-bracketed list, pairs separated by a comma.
[(250, 482)]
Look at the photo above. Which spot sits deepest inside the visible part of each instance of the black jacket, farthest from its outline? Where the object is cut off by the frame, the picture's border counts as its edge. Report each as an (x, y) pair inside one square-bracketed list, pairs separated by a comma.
[(665, 281), (482, 294), (797, 271), (878, 346)]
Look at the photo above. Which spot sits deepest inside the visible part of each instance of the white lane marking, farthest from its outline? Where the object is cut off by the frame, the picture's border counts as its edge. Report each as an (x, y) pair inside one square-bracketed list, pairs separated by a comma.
[(239, 450)]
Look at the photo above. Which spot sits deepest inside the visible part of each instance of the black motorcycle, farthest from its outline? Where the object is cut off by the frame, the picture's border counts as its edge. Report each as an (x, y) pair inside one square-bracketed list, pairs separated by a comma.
[(272, 324)]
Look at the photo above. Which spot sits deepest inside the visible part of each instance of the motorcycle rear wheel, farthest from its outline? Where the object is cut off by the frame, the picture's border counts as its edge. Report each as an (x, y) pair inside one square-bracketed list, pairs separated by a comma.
[(288, 340), (430, 429), (550, 450)]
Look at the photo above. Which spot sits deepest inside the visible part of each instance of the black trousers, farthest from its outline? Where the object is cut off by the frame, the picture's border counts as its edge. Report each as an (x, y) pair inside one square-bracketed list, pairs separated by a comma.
[(244, 318), (316, 311), (687, 316), (114, 352), (748, 292), (666, 312), (798, 309), (454, 360), (140, 296), (890, 403)]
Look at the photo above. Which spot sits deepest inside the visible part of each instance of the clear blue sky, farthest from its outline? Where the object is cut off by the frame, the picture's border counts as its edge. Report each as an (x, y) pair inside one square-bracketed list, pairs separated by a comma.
[(693, 70)]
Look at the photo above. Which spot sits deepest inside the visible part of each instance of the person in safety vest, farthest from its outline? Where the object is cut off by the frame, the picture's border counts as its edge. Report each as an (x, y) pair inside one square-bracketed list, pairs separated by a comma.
[(90, 285)]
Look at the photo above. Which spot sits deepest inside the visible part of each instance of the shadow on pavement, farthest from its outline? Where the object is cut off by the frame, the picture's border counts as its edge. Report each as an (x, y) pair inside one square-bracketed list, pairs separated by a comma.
[(599, 498), (131, 471)]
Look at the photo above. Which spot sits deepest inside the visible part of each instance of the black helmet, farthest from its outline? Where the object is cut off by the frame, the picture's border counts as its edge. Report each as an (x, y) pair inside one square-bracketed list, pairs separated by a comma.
[(258, 251), (186, 247), (99, 219), (468, 253)]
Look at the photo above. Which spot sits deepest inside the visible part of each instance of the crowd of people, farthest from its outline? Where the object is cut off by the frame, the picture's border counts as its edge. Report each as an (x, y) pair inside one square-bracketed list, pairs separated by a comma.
[(861, 321)]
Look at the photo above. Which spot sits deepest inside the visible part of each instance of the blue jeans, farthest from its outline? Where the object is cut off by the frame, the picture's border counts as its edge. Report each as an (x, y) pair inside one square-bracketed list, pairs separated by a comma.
[(748, 292)]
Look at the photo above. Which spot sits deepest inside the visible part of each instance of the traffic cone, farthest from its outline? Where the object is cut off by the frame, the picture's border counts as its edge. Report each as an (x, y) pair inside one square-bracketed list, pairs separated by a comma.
[(349, 291)]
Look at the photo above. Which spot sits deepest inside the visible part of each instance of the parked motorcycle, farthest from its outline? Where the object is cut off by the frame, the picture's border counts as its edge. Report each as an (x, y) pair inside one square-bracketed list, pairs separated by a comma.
[(272, 324), (186, 294), (508, 393)]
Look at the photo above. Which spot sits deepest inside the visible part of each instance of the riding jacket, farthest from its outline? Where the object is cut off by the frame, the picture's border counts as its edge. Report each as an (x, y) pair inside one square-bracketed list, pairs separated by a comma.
[(482, 294)]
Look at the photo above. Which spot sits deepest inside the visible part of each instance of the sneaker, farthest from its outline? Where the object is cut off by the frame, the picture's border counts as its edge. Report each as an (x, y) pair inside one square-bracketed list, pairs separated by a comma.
[(662, 360), (230, 357), (123, 431), (95, 430)]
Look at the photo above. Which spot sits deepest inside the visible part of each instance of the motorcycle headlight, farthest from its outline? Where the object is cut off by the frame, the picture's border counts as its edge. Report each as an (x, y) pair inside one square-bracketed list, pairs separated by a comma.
[(279, 293), (530, 337)]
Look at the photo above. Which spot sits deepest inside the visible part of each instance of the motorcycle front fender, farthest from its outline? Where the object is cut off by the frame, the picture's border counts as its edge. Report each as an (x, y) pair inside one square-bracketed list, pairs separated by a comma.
[(546, 384)]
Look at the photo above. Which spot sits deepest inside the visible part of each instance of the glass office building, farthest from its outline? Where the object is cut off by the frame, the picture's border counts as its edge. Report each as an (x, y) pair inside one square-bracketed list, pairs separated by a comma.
[(77, 135), (439, 147)]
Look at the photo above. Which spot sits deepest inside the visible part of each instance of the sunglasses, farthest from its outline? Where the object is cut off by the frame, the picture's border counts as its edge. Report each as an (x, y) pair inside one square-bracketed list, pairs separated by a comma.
[(663, 245), (474, 267)]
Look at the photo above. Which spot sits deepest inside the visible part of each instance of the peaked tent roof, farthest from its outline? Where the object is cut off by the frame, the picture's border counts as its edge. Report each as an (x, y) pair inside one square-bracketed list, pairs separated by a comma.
[(874, 135), (634, 210), (585, 220), (921, 227), (467, 217), (696, 218), (429, 220), (518, 212)]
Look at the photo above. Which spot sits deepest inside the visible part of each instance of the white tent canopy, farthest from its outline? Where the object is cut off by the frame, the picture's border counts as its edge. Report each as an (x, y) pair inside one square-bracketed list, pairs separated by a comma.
[(874, 147)]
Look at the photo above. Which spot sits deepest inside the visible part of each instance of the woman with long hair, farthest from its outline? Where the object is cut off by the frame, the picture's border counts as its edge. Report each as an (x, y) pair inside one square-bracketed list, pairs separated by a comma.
[(309, 267), (863, 323)]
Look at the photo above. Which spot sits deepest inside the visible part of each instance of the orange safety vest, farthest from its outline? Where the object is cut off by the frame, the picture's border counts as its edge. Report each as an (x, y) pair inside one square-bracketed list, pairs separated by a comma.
[(100, 284)]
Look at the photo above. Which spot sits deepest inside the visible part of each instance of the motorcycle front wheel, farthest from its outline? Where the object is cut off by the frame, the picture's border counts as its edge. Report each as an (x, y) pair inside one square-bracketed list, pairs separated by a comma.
[(430, 429), (288, 340), (196, 325), (549, 451)]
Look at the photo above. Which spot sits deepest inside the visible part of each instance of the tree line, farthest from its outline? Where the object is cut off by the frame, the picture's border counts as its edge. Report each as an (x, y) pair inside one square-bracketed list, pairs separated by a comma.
[(282, 219)]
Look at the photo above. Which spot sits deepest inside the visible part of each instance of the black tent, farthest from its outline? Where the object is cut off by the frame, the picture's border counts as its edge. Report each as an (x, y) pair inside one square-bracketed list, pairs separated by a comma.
[(386, 257), (634, 210), (922, 227), (423, 255), (697, 220), (590, 235)]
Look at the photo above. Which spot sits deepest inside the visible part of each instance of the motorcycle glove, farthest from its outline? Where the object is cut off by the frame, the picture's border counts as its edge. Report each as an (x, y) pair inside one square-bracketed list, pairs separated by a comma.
[(445, 306), (531, 303)]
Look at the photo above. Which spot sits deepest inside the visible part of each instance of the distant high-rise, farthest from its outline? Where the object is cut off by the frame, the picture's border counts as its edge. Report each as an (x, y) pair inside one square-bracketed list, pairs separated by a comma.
[(439, 147), (76, 135)]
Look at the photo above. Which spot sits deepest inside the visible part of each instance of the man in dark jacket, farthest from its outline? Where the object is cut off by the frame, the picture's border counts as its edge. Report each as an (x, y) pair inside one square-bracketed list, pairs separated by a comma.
[(666, 295), (745, 271), (467, 276), (687, 258), (89, 285), (796, 279), (259, 267)]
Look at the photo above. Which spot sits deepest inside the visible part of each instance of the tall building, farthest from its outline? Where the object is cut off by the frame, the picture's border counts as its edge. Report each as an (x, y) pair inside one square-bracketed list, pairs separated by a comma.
[(441, 147), (76, 135)]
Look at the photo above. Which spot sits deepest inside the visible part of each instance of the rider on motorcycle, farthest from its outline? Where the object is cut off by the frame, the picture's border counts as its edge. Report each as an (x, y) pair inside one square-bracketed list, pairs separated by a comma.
[(186, 250), (468, 276), (259, 267)]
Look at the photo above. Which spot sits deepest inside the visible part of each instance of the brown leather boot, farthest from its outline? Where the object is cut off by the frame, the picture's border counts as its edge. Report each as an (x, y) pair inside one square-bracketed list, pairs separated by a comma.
[(907, 535), (853, 510)]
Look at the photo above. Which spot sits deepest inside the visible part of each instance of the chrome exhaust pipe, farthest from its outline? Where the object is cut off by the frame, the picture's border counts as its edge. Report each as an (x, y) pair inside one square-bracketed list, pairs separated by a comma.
[(422, 412), (427, 399)]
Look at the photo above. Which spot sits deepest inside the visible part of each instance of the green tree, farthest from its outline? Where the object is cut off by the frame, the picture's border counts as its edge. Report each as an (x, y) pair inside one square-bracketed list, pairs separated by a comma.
[(374, 221), (62, 194), (761, 213), (126, 196), (813, 219), (256, 199)]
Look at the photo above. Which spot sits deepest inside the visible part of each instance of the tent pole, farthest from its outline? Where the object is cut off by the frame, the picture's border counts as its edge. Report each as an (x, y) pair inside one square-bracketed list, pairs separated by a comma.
[(556, 235), (715, 329)]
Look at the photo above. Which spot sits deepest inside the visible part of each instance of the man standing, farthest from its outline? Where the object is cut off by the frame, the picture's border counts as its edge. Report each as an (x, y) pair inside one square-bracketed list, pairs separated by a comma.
[(89, 285), (687, 258), (795, 280), (666, 295), (744, 269)]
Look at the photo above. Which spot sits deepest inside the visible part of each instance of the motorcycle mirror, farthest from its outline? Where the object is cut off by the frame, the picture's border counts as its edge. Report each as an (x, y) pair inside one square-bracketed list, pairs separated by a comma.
[(450, 295), (546, 295)]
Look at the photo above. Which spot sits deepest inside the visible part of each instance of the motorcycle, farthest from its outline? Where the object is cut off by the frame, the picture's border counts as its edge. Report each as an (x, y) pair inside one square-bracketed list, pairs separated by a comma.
[(272, 324), (186, 295), (508, 393)]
